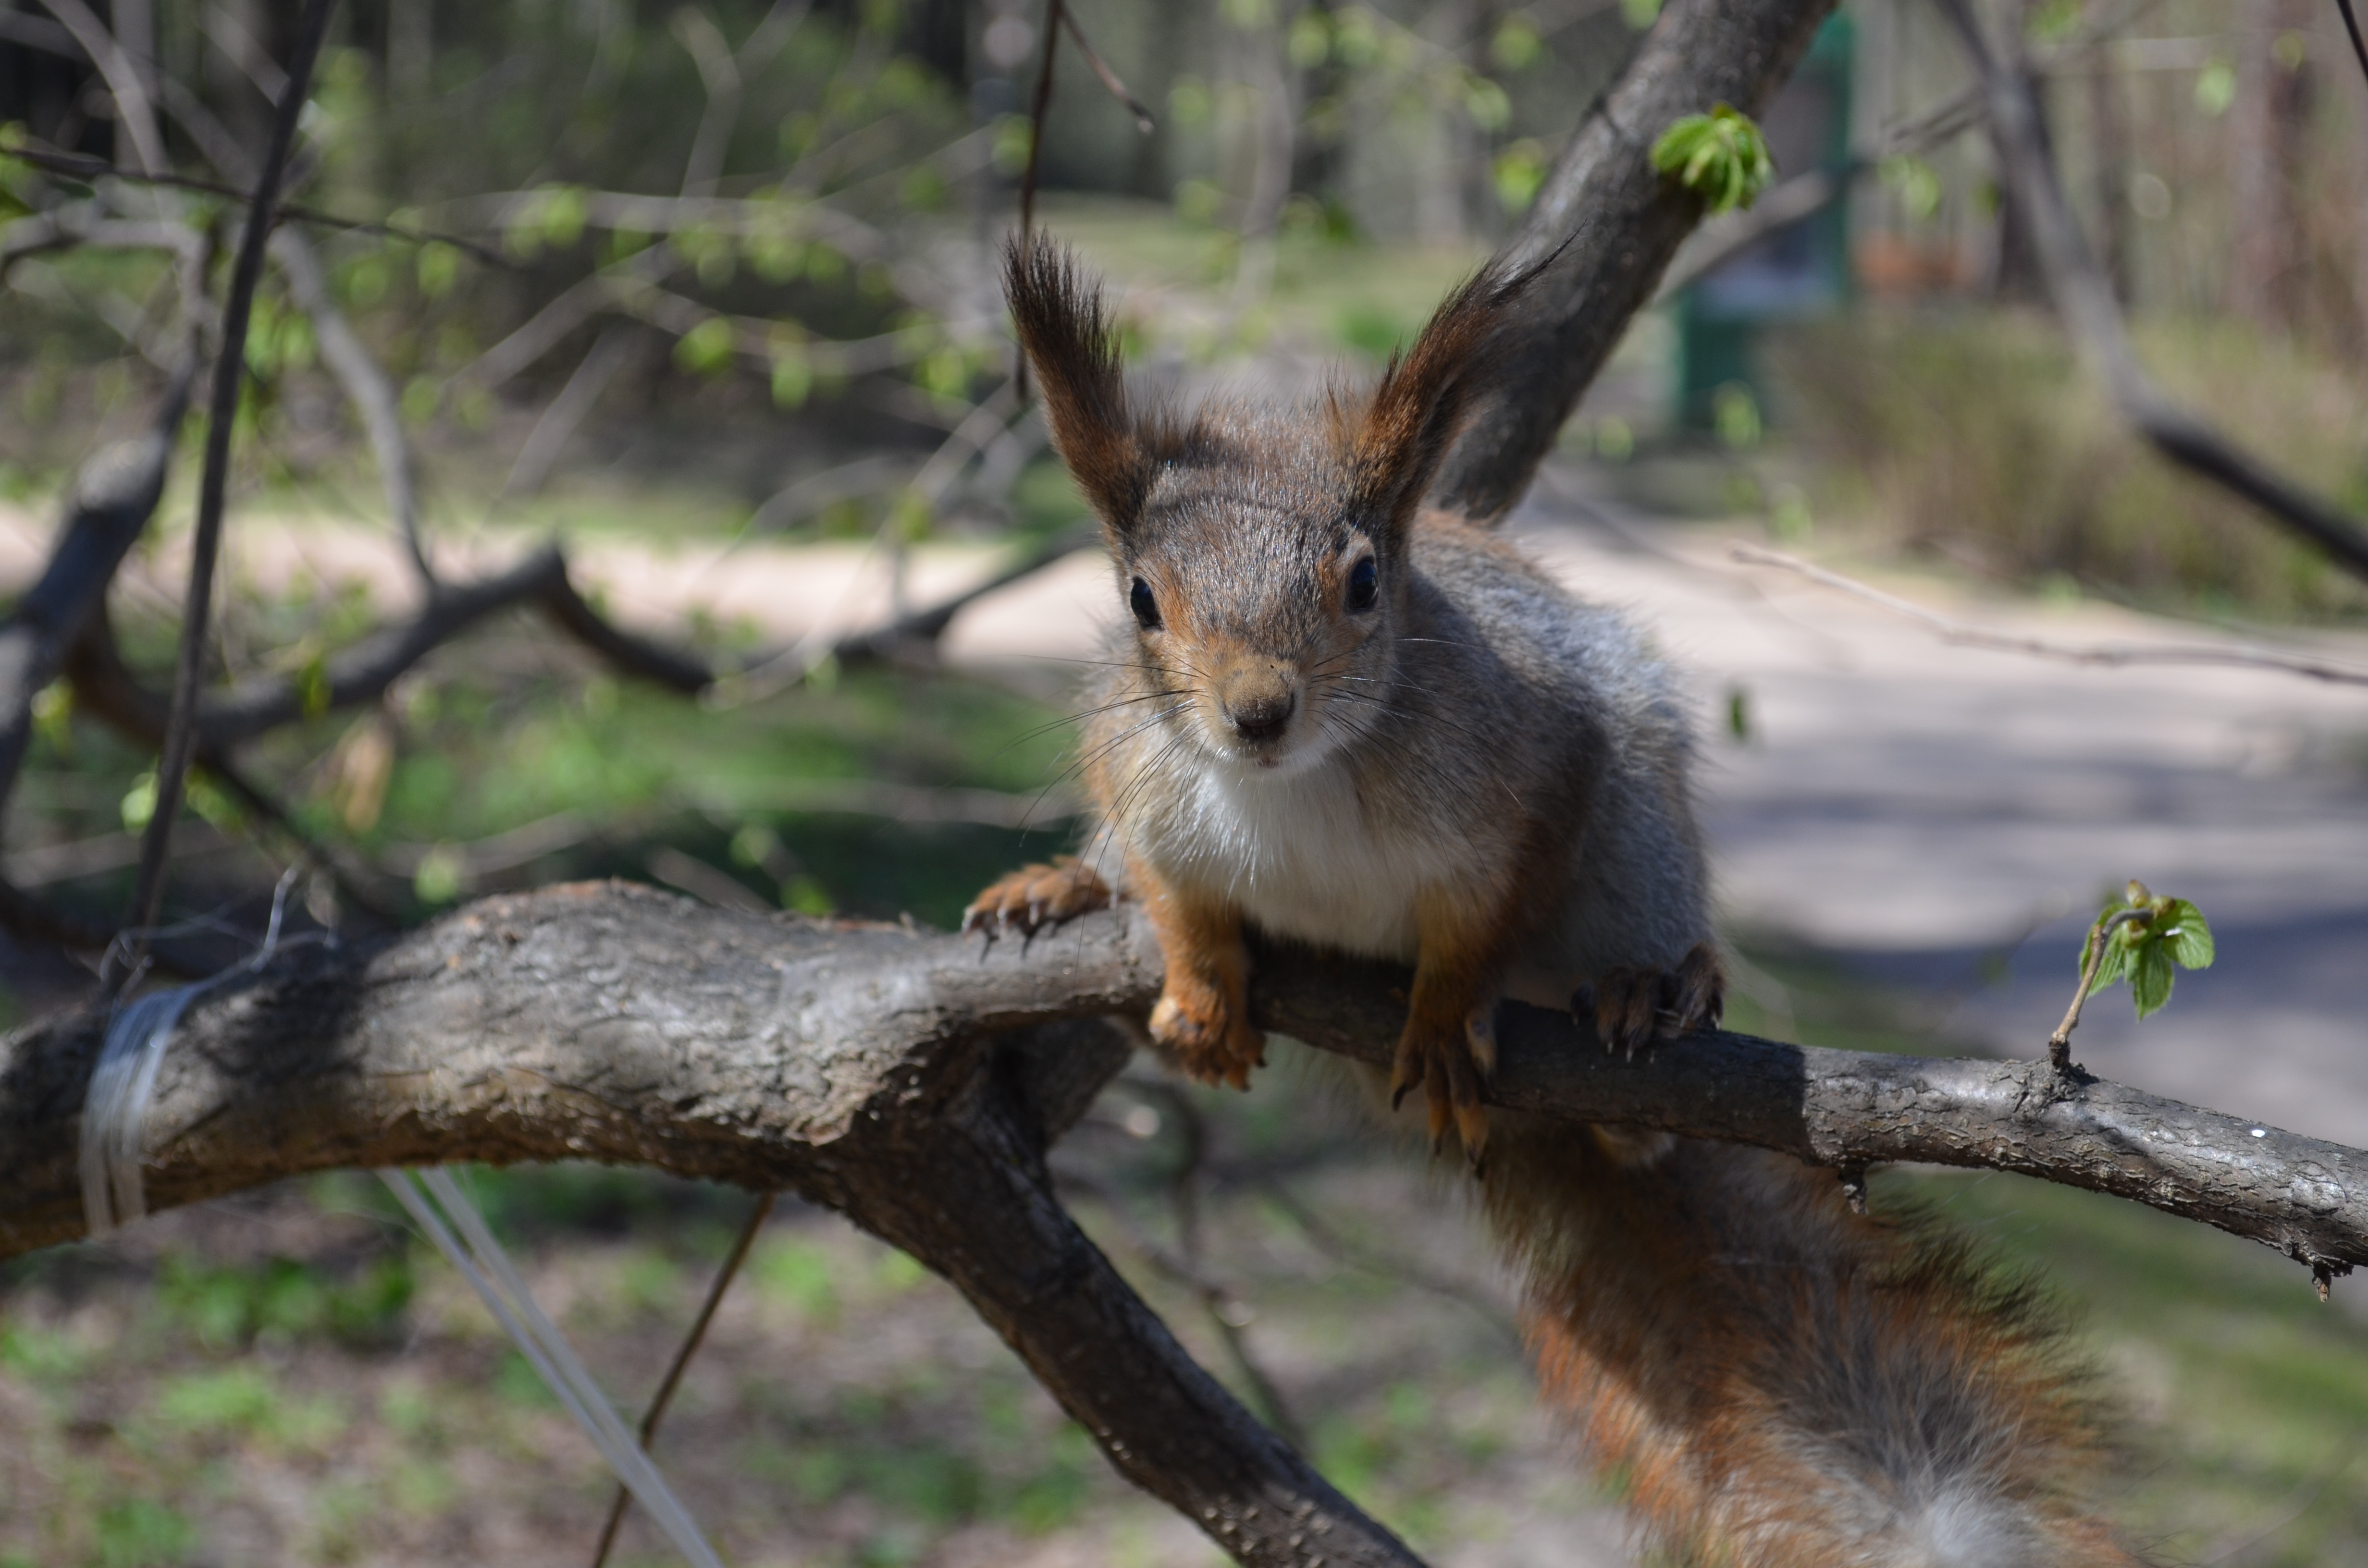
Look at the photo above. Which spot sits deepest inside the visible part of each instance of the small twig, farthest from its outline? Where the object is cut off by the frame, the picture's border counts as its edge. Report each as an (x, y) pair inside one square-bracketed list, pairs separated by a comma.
[(122, 76), (366, 387), (77, 166), (1054, 12), (1329, 1240), (229, 365), (2112, 654), (649, 1428), (2351, 25), (1109, 78), (2059, 1044), (1220, 1301), (260, 802), (567, 411)]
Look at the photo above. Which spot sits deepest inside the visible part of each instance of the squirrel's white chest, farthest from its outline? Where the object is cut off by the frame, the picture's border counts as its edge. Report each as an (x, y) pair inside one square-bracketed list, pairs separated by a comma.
[(1297, 855)]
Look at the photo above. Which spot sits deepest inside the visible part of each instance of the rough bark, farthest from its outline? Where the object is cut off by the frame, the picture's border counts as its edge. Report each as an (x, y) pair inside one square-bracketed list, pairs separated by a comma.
[(901, 1076), (612, 1022), (1622, 222)]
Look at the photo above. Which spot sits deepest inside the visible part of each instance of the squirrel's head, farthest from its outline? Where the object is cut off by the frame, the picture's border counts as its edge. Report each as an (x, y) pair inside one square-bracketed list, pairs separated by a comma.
[(1261, 553)]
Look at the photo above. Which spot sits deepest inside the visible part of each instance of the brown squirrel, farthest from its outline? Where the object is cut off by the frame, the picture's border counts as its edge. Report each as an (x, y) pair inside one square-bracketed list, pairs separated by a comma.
[(1342, 719)]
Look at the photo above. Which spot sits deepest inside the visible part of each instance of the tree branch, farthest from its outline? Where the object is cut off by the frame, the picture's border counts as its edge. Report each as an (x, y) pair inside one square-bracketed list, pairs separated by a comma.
[(229, 365), (1622, 222), (363, 672), (611, 1022), (366, 387), (2084, 298)]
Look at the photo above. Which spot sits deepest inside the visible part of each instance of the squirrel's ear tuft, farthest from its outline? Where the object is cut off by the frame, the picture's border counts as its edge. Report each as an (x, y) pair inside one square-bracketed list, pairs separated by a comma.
[(1069, 340), (1418, 408)]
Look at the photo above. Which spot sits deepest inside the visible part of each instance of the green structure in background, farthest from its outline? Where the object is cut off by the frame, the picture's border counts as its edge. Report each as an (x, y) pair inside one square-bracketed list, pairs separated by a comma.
[(1802, 269)]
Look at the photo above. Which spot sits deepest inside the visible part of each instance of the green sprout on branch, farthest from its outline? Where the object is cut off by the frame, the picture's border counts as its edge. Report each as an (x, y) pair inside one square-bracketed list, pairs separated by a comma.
[(2145, 939), (1721, 156)]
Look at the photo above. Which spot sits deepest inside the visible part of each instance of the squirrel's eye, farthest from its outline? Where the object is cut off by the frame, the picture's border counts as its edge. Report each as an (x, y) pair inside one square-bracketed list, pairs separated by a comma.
[(1365, 584), (1146, 608)]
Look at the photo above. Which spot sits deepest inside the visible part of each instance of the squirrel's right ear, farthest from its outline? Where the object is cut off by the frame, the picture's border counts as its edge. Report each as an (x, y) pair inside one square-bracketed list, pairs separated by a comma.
[(1069, 340)]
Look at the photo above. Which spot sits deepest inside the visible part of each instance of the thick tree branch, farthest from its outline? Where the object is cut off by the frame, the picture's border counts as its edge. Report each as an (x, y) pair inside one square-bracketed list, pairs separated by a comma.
[(856, 1065), (613, 1023), (1622, 222), (2084, 298)]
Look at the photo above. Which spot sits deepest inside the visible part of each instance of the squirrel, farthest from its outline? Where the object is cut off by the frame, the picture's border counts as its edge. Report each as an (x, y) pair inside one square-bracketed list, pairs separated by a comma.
[(1339, 718)]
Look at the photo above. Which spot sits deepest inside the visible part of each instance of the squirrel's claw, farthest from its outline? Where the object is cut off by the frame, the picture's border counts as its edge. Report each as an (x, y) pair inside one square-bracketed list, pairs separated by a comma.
[(1449, 1070), (1632, 1006), (1034, 897)]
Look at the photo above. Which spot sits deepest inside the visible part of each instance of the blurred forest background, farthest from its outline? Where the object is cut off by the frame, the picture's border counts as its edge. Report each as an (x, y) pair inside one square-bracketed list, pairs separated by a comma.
[(706, 291)]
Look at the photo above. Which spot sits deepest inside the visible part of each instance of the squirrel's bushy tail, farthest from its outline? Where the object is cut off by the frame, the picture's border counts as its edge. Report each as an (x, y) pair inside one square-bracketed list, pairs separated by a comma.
[(1777, 1383)]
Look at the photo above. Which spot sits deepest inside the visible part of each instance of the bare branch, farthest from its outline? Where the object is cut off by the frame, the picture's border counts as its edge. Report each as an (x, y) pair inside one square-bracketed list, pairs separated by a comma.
[(2084, 298), (113, 498), (2239, 656), (551, 433), (366, 387), (758, 1214), (229, 365), (363, 672), (122, 75), (74, 165), (1104, 74)]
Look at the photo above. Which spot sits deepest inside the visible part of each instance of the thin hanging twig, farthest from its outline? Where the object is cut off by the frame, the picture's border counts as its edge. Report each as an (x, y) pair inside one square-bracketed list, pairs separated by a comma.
[(230, 364), (1107, 77), (649, 1428), (1054, 11), (2351, 25), (76, 165)]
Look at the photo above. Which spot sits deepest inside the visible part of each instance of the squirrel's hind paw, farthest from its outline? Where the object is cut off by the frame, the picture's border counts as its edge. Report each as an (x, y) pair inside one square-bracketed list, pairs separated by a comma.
[(1449, 1067), (1632, 1006), (1214, 1040), (1036, 896)]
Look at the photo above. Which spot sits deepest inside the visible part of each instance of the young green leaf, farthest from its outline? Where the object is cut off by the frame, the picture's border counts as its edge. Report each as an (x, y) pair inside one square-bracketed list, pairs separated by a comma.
[(1720, 157), (2186, 936), (2150, 978)]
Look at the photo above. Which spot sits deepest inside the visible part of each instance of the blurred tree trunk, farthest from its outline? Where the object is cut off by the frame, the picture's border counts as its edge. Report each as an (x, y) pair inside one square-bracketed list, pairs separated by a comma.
[(2108, 132), (2019, 278), (2273, 112)]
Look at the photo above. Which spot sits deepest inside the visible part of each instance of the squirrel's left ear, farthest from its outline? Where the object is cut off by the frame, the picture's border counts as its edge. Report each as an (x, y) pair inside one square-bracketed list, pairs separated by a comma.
[(1394, 447), (1069, 338)]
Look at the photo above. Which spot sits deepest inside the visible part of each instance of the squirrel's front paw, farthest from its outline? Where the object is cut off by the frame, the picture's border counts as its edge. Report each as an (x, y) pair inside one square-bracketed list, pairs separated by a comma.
[(1632, 1006), (1036, 896), (1449, 1064), (1211, 1034)]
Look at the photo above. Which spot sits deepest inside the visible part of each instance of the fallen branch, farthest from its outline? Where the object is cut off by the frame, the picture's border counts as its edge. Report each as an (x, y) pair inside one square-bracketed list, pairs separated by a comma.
[(1957, 632), (2084, 298)]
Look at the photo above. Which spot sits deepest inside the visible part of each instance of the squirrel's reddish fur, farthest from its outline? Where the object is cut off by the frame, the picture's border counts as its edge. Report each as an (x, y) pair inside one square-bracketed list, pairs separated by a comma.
[(1346, 721)]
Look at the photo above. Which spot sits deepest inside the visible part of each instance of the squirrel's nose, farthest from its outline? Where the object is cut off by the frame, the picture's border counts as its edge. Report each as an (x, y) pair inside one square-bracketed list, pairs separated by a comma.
[(1262, 715)]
